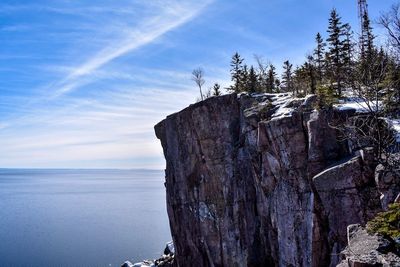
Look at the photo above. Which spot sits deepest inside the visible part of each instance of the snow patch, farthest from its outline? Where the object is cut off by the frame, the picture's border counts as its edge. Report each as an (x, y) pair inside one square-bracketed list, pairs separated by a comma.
[(394, 124), (282, 101), (171, 247), (358, 104), (144, 264)]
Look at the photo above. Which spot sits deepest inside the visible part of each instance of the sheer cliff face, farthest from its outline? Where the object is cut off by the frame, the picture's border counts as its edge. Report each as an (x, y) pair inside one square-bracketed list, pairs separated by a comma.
[(248, 185)]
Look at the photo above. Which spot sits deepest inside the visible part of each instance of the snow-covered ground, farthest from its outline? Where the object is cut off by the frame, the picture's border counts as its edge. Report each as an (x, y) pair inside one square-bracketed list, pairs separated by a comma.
[(282, 101), (285, 105), (360, 105)]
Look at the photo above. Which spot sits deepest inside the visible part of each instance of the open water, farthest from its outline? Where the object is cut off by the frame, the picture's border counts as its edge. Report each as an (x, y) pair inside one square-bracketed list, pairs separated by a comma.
[(81, 217)]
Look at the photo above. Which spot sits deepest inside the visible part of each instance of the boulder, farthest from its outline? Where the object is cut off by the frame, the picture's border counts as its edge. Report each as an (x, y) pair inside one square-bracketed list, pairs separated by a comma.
[(367, 250)]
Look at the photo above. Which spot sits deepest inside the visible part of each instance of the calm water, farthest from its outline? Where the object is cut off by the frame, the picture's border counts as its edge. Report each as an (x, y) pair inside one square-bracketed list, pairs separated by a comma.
[(81, 217)]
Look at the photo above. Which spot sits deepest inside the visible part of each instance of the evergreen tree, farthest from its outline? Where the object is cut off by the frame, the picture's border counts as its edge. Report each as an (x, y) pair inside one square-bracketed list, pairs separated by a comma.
[(311, 74), (336, 50), (366, 39), (271, 78), (368, 51), (348, 46), (236, 73), (252, 81), (319, 53), (300, 79), (392, 83), (244, 79), (216, 90), (287, 76), (277, 85)]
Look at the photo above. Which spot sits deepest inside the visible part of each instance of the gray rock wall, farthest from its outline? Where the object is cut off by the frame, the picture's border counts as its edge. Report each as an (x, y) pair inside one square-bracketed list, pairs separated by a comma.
[(245, 188)]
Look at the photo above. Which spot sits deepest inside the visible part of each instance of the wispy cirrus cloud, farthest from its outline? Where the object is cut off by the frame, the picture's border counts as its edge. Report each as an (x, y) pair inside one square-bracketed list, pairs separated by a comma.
[(110, 123), (172, 15)]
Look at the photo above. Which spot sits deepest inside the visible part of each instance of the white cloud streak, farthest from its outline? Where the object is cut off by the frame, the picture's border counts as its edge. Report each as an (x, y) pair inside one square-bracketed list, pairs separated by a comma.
[(105, 128), (173, 16)]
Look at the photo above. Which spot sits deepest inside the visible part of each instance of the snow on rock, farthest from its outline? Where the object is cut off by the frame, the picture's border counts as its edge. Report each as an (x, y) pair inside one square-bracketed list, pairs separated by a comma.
[(286, 104), (283, 104), (169, 248), (139, 264), (360, 105), (127, 264), (144, 264), (165, 260), (280, 100), (394, 124)]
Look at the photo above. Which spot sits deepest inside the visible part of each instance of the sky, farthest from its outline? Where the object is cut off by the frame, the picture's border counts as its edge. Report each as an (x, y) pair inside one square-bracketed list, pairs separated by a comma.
[(82, 83)]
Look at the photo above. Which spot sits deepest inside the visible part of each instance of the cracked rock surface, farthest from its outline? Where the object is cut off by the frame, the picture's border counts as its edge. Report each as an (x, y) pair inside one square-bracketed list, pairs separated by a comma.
[(261, 180)]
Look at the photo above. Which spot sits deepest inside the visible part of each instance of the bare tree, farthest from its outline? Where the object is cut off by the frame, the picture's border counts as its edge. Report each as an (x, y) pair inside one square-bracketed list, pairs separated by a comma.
[(262, 66), (391, 22), (262, 73), (197, 77)]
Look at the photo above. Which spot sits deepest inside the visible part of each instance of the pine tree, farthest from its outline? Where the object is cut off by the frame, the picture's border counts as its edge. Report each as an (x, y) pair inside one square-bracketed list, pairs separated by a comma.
[(236, 73), (287, 76), (271, 78), (252, 81), (319, 53), (244, 79), (277, 85), (216, 90), (366, 38), (311, 74), (348, 46), (392, 82), (300, 79), (368, 51), (336, 51)]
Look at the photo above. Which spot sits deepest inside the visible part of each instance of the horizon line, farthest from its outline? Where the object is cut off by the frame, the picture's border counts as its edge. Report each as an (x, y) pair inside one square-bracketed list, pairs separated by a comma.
[(84, 169)]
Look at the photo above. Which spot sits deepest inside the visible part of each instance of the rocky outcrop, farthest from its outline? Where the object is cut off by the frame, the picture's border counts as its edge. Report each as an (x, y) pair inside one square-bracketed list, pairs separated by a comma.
[(388, 182), (366, 250), (166, 260), (261, 181), (348, 194)]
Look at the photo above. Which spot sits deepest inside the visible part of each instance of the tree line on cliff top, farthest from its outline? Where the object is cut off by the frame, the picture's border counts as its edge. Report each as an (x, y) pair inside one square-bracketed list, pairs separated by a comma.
[(338, 63), (341, 67)]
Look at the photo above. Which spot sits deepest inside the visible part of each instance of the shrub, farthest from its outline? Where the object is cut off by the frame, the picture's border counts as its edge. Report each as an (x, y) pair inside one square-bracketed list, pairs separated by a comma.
[(386, 223)]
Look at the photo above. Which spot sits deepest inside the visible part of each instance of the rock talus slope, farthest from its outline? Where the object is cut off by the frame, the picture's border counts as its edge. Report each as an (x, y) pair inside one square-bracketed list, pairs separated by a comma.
[(261, 181)]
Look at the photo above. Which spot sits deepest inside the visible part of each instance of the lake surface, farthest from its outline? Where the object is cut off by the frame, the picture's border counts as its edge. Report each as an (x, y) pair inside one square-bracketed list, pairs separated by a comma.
[(81, 217)]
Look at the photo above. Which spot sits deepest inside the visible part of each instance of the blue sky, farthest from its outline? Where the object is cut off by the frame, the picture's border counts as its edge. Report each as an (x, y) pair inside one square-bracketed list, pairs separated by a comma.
[(82, 83)]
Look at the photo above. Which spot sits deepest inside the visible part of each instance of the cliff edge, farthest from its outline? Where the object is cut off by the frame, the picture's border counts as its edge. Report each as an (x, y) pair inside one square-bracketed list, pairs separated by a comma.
[(262, 180)]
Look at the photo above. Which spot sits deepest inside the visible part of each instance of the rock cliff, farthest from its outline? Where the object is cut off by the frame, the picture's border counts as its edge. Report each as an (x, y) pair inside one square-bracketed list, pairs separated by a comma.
[(262, 181)]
